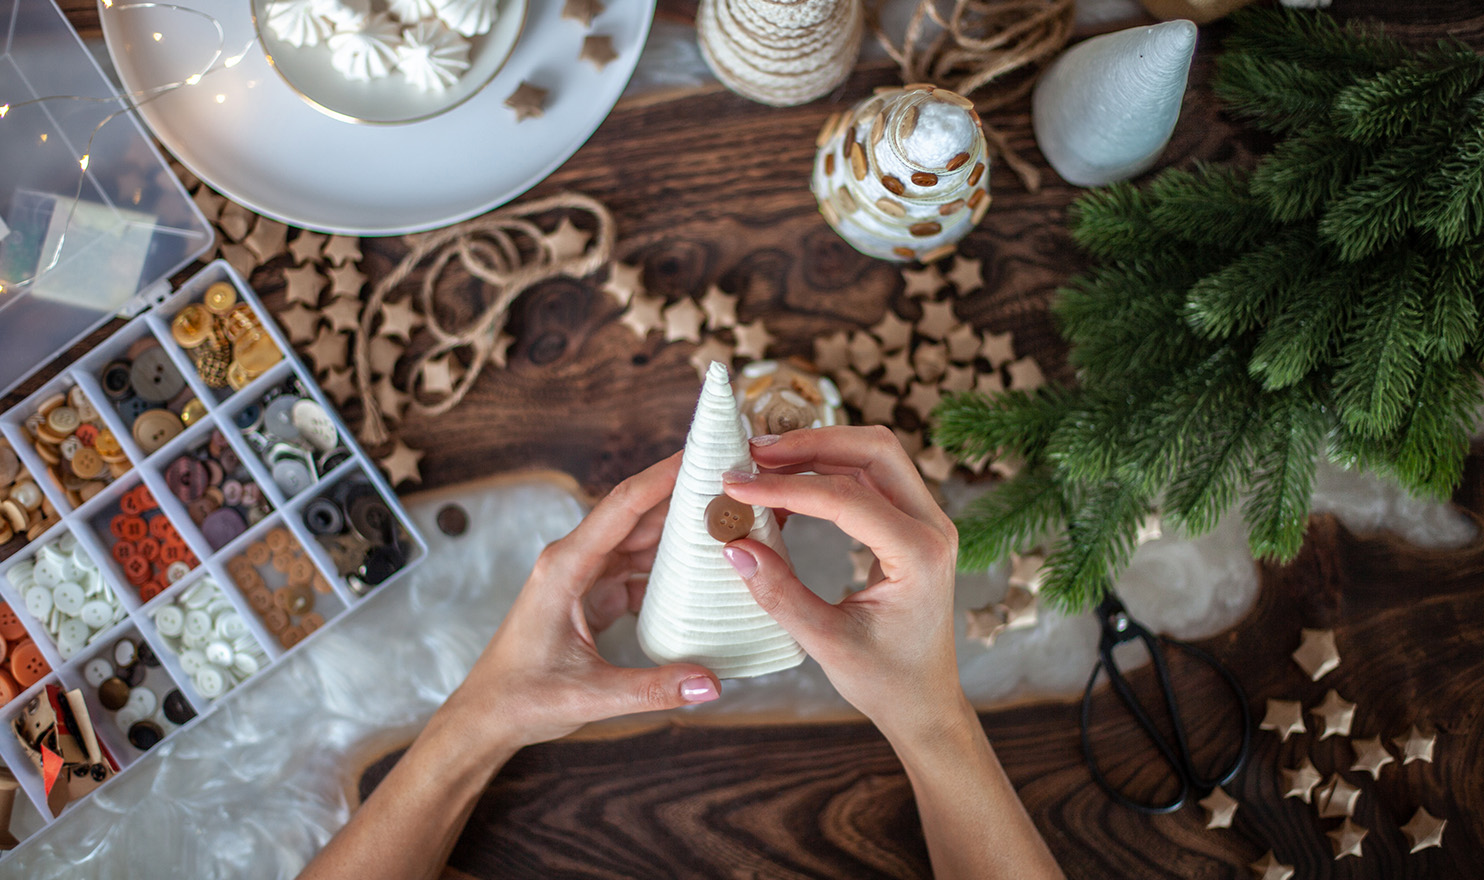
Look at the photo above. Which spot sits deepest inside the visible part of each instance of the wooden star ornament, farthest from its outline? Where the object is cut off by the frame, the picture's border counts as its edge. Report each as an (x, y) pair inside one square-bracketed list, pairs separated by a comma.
[(1347, 838), (720, 308), (1424, 831), (934, 463), (898, 372), (1299, 783), (399, 319), (528, 101), (963, 343), (865, 352), (1317, 654), (339, 384), (300, 323), (582, 11), (1336, 714), (966, 275), (832, 352), (347, 280), (401, 464), (644, 314), (327, 351), (567, 241), (1269, 868), (1285, 717), (344, 314), (923, 282), (307, 247), (437, 376), (998, 348), (937, 319), (623, 282), (303, 284), (1220, 808), (268, 239), (1025, 375), (893, 332), (983, 624), (711, 349), (1371, 756), (1337, 798), (683, 320), (1415, 746), (343, 249), (752, 340), (598, 48)]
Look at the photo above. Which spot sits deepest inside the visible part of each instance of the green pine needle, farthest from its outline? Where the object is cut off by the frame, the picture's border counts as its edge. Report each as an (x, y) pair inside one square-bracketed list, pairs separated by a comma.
[(1285, 459), (1016, 514), (1099, 540), (971, 425), (1380, 362)]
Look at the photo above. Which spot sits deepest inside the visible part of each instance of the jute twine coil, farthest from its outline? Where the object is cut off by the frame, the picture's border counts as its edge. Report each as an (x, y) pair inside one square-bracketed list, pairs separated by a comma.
[(980, 42), (505, 250)]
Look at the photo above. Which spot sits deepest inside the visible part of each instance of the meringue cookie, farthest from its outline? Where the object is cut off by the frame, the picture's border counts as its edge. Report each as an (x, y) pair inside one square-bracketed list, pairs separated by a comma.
[(343, 15), (296, 22), (412, 11), (369, 53), (468, 17), (431, 56)]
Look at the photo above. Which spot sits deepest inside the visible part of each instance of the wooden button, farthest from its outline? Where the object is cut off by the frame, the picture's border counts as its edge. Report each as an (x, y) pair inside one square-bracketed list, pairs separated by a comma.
[(728, 519), (88, 464), (156, 427), (220, 298)]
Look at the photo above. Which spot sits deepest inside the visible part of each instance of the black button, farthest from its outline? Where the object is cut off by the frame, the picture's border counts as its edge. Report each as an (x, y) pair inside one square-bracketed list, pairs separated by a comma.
[(145, 735), (178, 709)]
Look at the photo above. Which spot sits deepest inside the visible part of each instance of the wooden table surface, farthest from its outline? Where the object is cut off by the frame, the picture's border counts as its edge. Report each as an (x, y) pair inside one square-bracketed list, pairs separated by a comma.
[(709, 188)]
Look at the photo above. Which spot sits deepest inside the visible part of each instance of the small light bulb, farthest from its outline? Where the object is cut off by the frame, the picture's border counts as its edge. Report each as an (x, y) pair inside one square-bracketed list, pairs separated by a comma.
[(4, 109), (221, 99), (193, 79), (83, 162), (158, 36)]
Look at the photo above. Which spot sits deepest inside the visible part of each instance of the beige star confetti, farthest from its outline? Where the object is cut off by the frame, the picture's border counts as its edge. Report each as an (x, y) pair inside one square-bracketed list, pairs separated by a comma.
[(930, 361), (832, 352), (937, 319), (1415, 746), (1286, 717), (383, 354), (893, 332), (209, 202), (956, 379), (390, 399), (339, 384), (644, 314), (307, 247), (1337, 798), (963, 343), (347, 280), (865, 353), (879, 408), (399, 319), (235, 221), (989, 383), (1317, 655), (1425, 830), (598, 48), (1347, 838), (327, 351), (582, 11), (500, 350), (303, 285), (1269, 868), (1151, 528), (935, 463), (299, 322), (1371, 756), (966, 275), (401, 464), (343, 249), (527, 101), (344, 314), (268, 239), (712, 349), (239, 258), (683, 320), (911, 440), (923, 282), (437, 376), (567, 241), (721, 309), (898, 370), (998, 348), (1336, 713), (983, 624), (922, 399), (852, 387), (1300, 783), (623, 282), (1025, 375), (752, 340), (1220, 808), (861, 560)]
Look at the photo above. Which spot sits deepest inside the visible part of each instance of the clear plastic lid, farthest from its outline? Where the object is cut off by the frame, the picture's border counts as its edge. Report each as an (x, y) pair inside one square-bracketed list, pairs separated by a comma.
[(91, 217)]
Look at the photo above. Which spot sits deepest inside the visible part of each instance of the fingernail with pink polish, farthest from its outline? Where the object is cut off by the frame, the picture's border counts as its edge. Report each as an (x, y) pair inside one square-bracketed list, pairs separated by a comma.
[(699, 689), (764, 440), (738, 477), (745, 563)]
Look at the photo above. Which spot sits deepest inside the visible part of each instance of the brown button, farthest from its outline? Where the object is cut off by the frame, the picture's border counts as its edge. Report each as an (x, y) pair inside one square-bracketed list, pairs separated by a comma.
[(452, 520), (728, 519), (783, 416), (294, 599), (156, 427), (87, 463), (113, 694)]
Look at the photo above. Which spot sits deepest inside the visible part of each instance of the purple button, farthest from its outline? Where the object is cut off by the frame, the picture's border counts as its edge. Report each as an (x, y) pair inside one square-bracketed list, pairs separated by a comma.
[(232, 492), (221, 526), (186, 478)]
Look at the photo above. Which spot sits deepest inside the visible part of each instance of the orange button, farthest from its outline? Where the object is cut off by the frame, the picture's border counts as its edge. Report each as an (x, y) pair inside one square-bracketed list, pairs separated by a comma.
[(128, 528), (150, 590), (137, 570), (27, 664), (162, 529), (9, 687), (11, 628), (149, 548)]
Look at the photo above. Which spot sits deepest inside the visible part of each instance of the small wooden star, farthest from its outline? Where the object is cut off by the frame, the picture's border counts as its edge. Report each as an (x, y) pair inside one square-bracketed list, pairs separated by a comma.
[(720, 308), (923, 282), (1220, 808), (339, 384), (989, 383), (893, 332), (1347, 838), (998, 348), (390, 399), (852, 386), (527, 101), (1415, 746), (879, 408), (303, 285), (1425, 830), (209, 202), (832, 352), (382, 354), (344, 314), (956, 379), (567, 241), (239, 258), (712, 349), (937, 319), (1371, 756), (307, 247), (644, 314), (1286, 717), (922, 399), (1317, 655), (934, 463), (683, 320), (752, 340), (1337, 798), (898, 372), (346, 280), (1151, 528), (327, 351), (582, 11), (984, 624), (235, 221), (911, 440), (865, 353), (401, 464), (268, 239), (963, 343), (437, 376), (1025, 375), (1269, 868), (1006, 467), (343, 249), (966, 275), (1337, 714), (930, 361), (861, 560), (623, 282), (299, 322), (500, 349), (598, 48), (399, 319), (1300, 783)]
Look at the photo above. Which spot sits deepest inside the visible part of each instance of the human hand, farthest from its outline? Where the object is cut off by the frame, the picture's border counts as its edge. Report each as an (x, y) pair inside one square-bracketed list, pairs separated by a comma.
[(541, 677), (889, 648)]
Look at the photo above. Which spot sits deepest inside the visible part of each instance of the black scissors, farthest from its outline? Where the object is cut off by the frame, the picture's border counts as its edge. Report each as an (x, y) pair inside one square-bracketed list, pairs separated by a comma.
[(1118, 627)]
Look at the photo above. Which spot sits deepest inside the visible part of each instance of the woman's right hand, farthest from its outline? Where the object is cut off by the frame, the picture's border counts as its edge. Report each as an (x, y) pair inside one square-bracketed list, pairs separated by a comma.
[(889, 648)]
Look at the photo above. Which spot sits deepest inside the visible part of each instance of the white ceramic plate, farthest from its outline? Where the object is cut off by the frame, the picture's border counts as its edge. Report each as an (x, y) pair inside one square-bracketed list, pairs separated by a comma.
[(244, 131)]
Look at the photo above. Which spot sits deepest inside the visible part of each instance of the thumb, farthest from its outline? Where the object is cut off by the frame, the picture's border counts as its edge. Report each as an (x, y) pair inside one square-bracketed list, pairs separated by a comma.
[(797, 609), (664, 687)]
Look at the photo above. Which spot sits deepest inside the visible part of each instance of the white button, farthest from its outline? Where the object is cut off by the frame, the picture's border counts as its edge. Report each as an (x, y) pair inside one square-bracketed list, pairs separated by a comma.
[(219, 653), (176, 571), (39, 602), (170, 620), (315, 425), (73, 633), (125, 653), (210, 682), (190, 641), (245, 663), (199, 595), (192, 660), (69, 598), (96, 614), (68, 650), (97, 671), (22, 574), (230, 625), (143, 701), (197, 624)]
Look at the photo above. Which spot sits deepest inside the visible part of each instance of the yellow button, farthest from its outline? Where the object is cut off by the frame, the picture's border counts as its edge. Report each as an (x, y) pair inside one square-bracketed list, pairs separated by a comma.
[(220, 297), (192, 326)]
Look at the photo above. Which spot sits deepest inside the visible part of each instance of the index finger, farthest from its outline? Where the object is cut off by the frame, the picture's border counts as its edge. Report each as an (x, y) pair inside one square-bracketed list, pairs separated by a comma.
[(583, 553)]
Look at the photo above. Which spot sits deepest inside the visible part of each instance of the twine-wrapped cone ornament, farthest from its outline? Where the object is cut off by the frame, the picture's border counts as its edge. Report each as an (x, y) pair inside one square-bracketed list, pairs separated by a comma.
[(696, 608), (905, 174), (1105, 109), (780, 52)]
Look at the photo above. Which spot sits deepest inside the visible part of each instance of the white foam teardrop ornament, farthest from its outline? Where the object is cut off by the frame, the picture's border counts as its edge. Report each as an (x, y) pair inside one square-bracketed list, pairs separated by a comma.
[(780, 52), (1105, 109), (697, 608), (905, 174)]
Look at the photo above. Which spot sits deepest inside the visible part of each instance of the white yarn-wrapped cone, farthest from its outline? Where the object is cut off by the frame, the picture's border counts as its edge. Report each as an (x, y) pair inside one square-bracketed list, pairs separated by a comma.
[(905, 174), (1105, 109), (697, 608), (780, 52)]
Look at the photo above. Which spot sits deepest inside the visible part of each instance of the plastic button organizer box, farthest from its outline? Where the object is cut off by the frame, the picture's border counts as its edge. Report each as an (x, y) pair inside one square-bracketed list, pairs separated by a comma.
[(180, 506)]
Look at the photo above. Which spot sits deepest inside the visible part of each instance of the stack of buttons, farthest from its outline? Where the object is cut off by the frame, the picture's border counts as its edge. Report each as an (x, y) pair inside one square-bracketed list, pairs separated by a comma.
[(217, 491), (121, 677), (224, 338), (21, 663), (288, 611), (81, 454), (360, 532), (212, 640), (150, 395), (25, 513), (65, 592), (149, 551), (293, 435)]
